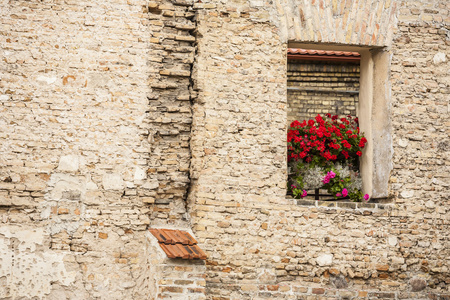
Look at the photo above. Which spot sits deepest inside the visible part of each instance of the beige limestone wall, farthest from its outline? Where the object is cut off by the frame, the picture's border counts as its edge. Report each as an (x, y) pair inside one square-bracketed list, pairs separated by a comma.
[(95, 111), (262, 245), (350, 22), (420, 107), (95, 121)]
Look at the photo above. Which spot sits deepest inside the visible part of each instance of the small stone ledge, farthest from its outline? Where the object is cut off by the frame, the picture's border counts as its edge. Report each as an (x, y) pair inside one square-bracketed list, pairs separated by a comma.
[(181, 73), (204, 5), (345, 205)]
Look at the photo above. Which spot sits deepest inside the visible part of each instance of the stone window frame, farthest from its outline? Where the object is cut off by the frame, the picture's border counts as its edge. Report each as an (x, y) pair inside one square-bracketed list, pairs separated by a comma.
[(374, 113)]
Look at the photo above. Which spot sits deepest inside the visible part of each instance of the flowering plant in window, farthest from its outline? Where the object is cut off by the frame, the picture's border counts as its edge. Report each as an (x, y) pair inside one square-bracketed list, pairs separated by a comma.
[(324, 153)]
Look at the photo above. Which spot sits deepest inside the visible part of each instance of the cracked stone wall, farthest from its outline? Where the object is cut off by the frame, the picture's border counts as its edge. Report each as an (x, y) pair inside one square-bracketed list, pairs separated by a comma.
[(111, 117), (95, 116)]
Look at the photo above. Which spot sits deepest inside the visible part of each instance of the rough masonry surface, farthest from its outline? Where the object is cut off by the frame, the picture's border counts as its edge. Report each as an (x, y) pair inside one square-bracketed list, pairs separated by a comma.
[(117, 116)]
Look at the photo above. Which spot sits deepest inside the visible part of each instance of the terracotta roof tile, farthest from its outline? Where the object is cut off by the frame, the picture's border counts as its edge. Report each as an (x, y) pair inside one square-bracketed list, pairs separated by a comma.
[(321, 52), (178, 244), (309, 54)]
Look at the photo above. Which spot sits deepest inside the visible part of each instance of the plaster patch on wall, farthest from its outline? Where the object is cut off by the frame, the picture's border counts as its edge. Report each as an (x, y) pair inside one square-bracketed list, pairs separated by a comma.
[(69, 163), (113, 182), (69, 187), (64, 186), (29, 272), (5, 267)]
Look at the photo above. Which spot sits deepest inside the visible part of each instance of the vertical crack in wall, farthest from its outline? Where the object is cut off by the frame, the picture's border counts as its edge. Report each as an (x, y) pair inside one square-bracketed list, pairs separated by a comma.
[(193, 91), (170, 114)]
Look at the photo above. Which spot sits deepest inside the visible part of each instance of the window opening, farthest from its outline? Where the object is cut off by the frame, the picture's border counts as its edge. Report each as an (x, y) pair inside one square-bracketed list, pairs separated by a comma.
[(324, 83), (321, 82)]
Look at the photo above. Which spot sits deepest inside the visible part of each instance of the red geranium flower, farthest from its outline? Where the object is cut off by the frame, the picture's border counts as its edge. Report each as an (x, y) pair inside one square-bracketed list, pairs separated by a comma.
[(345, 153), (346, 144), (295, 123), (324, 138)]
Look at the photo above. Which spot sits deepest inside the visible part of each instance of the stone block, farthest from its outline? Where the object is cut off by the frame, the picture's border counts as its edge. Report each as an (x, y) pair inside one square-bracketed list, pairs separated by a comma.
[(417, 284), (324, 260), (318, 291)]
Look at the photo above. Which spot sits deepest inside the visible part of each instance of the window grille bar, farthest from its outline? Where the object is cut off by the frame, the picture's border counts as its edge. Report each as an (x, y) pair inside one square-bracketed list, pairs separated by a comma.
[(317, 196)]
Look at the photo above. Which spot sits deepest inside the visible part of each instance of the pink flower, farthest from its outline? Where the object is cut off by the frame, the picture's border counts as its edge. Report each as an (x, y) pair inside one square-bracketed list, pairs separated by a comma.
[(366, 197), (329, 176), (338, 195), (304, 193), (344, 193)]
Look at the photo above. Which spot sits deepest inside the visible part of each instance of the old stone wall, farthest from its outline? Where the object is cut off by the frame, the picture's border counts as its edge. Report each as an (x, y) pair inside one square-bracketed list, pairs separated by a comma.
[(352, 22), (321, 88), (118, 116), (263, 245), (95, 116)]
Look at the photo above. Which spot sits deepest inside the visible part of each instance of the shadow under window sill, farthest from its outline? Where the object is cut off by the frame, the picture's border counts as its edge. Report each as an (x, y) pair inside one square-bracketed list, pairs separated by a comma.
[(372, 204)]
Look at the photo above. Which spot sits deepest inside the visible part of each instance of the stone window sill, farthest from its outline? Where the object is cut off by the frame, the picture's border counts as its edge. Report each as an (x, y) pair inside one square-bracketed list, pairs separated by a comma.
[(344, 205)]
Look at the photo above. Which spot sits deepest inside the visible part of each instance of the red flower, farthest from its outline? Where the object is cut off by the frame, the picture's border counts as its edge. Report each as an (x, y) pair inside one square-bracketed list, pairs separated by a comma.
[(345, 153), (295, 123), (334, 146), (362, 142), (322, 139), (346, 144)]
